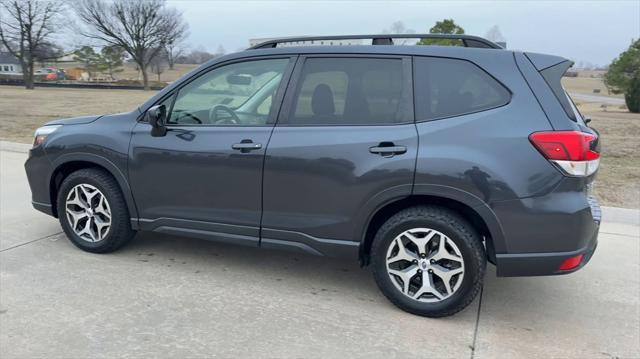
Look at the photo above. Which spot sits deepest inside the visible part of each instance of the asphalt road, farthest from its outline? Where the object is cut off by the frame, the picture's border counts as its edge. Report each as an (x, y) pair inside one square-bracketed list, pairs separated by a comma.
[(174, 297), (609, 100)]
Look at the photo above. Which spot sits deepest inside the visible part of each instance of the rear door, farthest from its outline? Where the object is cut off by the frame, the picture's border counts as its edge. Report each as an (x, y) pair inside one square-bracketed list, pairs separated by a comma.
[(345, 142)]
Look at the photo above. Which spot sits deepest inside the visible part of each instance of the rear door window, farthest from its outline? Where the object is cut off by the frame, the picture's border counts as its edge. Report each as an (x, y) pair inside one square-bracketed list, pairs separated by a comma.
[(351, 91), (450, 87)]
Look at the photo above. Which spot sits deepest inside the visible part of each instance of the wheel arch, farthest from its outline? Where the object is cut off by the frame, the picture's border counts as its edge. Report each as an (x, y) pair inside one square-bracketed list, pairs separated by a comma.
[(471, 208), (64, 165)]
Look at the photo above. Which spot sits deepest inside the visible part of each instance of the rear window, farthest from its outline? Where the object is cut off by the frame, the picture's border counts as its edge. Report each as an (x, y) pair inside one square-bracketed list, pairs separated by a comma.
[(448, 87), (351, 91)]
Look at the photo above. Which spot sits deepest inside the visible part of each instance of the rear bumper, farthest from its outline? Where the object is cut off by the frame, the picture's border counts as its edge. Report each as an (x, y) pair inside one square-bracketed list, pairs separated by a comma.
[(539, 264), (542, 232)]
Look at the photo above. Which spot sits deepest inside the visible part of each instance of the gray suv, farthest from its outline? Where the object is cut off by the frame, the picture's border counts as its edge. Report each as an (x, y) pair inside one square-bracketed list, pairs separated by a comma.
[(424, 162)]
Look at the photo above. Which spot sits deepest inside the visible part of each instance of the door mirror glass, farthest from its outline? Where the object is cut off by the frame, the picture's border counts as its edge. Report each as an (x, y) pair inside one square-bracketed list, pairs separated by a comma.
[(157, 116)]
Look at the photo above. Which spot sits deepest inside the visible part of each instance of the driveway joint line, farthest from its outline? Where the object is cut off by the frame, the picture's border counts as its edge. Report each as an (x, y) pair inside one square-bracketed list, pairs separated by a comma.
[(475, 330), (29, 242), (619, 234)]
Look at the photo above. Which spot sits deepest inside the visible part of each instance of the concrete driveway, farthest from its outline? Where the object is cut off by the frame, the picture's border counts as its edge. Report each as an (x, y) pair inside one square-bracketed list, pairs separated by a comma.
[(174, 297)]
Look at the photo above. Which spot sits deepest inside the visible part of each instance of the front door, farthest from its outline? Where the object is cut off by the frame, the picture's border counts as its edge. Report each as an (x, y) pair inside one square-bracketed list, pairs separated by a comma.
[(344, 144), (204, 178)]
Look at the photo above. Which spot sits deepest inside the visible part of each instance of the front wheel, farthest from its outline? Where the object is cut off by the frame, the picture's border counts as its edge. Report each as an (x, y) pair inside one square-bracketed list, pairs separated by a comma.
[(428, 261), (92, 211)]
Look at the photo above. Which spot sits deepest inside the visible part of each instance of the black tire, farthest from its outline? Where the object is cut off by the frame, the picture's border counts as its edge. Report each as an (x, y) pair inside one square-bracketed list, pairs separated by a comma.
[(453, 226), (120, 231)]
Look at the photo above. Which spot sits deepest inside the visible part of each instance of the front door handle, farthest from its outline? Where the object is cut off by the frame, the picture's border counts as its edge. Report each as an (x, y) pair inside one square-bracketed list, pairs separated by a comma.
[(387, 149), (246, 146)]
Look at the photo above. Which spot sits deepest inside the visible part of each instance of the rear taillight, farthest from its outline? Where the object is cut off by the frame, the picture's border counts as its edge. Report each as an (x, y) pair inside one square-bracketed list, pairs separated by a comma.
[(573, 151), (571, 263)]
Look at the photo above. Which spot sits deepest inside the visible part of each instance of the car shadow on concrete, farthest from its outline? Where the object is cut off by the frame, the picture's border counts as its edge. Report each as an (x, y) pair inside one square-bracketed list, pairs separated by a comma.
[(322, 274)]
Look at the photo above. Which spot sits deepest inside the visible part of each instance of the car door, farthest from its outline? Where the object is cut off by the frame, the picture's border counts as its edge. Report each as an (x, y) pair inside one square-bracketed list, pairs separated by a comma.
[(345, 143), (204, 177)]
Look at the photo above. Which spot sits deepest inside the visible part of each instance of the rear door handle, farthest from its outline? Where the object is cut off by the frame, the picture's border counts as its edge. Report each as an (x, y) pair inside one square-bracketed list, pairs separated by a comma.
[(387, 149), (246, 146)]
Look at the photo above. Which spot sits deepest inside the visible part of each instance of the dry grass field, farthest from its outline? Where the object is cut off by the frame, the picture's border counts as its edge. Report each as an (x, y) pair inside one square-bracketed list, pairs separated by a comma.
[(618, 184), (22, 111), (618, 181)]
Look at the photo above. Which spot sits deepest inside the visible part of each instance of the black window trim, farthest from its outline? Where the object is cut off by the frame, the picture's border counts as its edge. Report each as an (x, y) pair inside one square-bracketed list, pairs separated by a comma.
[(276, 102), (464, 113), (286, 110)]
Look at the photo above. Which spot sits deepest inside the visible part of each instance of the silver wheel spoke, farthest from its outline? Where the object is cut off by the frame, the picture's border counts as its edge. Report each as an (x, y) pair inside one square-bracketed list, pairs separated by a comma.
[(403, 253), (74, 198), (86, 230), (103, 208), (405, 275), (89, 192), (88, 212), (446, 275), (427, 287), (75, 216), (100, 225), (421, 242), (443, 253), (425, 259)]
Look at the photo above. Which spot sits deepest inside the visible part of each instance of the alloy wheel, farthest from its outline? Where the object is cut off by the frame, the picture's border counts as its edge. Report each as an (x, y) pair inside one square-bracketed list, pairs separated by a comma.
[(425, 265), (88, 212)]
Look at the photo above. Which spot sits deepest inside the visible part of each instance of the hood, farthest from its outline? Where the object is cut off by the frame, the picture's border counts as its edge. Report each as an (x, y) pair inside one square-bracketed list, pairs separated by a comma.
[(74, 120)]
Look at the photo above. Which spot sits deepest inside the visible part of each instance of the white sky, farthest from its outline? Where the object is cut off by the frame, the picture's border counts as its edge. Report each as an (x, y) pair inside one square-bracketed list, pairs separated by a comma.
[(590, 31)]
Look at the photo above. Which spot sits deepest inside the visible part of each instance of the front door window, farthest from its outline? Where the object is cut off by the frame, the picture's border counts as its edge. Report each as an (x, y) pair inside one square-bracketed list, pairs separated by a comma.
[(237, 94)]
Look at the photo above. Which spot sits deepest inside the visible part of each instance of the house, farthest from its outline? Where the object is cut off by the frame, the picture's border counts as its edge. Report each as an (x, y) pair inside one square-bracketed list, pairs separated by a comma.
[(9, 64)]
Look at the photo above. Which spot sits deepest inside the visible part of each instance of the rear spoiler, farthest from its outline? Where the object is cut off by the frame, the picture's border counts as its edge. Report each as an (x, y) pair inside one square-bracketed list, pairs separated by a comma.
[(543, 61), (552, 68)]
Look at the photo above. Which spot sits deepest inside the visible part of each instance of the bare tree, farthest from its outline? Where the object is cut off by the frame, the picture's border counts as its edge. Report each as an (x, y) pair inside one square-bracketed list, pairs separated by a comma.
[(494, 34), (220, 51), (398, 28), (142, 28), (174, 49), (26, 27), (158, 65)]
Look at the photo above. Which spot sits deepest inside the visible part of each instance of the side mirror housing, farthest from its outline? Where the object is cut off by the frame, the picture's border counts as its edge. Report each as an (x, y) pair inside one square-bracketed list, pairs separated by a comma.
[(157, 116)]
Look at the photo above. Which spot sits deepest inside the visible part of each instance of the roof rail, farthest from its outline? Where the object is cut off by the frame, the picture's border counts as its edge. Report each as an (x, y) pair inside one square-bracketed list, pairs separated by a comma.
[(383, 39)]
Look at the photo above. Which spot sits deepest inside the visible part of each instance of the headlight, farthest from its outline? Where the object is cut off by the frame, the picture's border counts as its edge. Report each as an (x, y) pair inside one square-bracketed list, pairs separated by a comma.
[(42, 133)]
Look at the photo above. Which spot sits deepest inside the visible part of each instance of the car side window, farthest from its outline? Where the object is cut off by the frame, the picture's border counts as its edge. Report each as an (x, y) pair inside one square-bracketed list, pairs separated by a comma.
[(449, 87), (237, 94), (350, 91)]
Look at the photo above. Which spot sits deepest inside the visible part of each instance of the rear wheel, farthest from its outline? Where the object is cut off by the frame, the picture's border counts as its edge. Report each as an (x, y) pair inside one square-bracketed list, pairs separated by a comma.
[(428, 261), (92, 211)]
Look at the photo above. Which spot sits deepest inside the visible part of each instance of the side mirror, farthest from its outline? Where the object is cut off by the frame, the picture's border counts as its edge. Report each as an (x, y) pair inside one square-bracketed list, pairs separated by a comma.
[(157, 116)]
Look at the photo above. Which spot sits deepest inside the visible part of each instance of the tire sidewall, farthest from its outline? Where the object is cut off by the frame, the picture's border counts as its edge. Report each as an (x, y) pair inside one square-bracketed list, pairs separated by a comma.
[(473, 269)]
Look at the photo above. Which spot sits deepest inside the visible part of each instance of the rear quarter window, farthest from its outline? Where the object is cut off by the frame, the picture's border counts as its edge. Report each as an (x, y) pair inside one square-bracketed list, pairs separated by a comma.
[(553, 76), (450, 87)]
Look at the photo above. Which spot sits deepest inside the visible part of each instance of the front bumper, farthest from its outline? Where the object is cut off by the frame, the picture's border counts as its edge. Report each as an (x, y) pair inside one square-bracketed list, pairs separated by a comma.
[(38, 169)]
